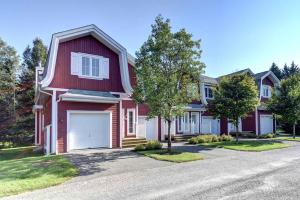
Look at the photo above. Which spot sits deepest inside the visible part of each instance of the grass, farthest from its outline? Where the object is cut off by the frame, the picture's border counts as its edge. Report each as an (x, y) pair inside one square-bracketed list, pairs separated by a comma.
[(22, 169), (175, 156), (297, 139), (250, 145)]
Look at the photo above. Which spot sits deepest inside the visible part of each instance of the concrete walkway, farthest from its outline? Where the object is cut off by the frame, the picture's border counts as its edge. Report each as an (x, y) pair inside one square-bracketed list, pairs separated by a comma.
[(224, 174)]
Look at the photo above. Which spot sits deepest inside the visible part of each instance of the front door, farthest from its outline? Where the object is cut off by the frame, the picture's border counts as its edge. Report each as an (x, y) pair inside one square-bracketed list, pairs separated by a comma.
[(194, 122)]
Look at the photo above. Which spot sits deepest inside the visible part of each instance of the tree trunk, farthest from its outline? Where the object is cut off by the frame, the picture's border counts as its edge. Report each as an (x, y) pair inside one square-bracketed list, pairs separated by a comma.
[(169, 136), (237, 133), (294, 130)]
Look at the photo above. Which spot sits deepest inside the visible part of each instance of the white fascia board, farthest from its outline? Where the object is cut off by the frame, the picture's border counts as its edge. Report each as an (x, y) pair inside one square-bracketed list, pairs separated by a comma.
[(87, 98), (274, 77), (99, 35)]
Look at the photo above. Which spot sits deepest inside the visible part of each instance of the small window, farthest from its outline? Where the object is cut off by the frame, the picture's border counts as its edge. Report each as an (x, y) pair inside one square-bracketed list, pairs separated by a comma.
[(85, 66), (208, 93), (266, 91), (95, 67), (130, 121)]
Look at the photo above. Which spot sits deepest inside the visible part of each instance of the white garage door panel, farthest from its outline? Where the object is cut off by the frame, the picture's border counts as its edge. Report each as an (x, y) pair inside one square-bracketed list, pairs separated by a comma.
[(266, 124), (89, 130), (147, 128), (210, 125)]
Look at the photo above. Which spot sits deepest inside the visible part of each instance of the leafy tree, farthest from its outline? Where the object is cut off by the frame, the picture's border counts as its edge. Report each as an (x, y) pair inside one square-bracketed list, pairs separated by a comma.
[(275, 69), (167, 68), (235, 97), (32, 56), (286, 101), (9, 62)]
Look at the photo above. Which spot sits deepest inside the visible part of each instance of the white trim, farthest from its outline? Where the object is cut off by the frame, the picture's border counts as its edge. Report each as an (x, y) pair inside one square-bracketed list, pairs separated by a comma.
[(69, 112), (54, 123), (40, 127), (121, 123), (197, 117), (208, 88), (202, 92), (35, 128), (87, 98), (134, 122), (99, 35), (256, 121), (179, 120)]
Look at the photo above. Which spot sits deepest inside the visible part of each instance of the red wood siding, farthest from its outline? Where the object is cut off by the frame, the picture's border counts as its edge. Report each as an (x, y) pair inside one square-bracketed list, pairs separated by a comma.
[(248, 123), (132, 75), (62, 120), (224, 126), (143, 109), (87, 44)]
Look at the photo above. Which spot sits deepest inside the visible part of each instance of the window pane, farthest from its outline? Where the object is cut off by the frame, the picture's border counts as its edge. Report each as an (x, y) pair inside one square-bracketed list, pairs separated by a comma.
[(130, 122), (85, 66), (95, 67), (206, 93)]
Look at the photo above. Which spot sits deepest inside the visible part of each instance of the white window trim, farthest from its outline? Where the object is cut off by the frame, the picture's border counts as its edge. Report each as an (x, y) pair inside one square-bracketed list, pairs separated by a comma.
[(269, 91), (207, 97), (133, 122)]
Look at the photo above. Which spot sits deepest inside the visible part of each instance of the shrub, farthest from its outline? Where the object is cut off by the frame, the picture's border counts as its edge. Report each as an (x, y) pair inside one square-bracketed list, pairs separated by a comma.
[(214, 138), (225, 138), (265, 136), (201, 139), (140, 147), (193, 140), (153, 144)]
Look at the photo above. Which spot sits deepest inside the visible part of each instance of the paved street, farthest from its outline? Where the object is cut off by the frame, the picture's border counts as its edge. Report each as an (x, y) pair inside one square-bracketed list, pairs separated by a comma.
[(224, 174)]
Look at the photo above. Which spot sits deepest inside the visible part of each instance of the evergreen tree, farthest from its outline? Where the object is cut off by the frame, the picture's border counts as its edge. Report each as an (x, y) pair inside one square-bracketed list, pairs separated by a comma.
[(275, 69), (26, 83), (9, 62), (289, 71)]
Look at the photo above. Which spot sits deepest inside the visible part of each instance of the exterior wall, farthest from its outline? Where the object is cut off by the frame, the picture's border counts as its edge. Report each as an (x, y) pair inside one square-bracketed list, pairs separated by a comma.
[(266, 81), (128, 104), (224, 126), (62, 120), (248, 123), (143, 110), (132, 75), (88, 44)]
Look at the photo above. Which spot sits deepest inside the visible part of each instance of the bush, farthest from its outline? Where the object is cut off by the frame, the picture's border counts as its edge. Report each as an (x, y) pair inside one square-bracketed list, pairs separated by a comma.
[(225, 138), (266, 136), (153, 144), (214, 138), (193, 140), (201, 139), (140, 147)]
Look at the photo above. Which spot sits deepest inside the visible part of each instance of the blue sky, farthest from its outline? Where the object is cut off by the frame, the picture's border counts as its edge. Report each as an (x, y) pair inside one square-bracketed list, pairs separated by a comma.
[(235, 34)]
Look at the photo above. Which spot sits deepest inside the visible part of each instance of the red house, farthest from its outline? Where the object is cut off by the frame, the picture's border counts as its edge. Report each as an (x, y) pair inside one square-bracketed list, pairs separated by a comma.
[(83, 99)]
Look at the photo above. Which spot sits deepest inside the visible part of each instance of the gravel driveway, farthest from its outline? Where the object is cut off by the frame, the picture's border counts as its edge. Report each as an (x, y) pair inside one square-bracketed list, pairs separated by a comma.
[(224, 174)]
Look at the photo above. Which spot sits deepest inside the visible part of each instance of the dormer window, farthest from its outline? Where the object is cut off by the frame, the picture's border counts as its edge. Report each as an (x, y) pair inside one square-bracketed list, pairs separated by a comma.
[(208, 92), (266, 91), (89, 66)]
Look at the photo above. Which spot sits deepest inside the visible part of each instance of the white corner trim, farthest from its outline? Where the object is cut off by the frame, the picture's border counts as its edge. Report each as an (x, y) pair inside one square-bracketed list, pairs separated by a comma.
[(99, 35), (202, 92), (54, 123), (69, 112)]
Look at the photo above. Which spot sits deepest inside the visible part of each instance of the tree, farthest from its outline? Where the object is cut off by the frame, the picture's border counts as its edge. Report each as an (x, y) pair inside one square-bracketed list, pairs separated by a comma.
[(26, 81), (275, 69), (286, 101), (168, 69), (289, 71), (9, 62), (235, 97)]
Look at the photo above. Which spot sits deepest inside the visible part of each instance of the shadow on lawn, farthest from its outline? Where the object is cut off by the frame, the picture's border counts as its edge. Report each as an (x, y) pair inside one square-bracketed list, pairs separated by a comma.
[(89, 163)]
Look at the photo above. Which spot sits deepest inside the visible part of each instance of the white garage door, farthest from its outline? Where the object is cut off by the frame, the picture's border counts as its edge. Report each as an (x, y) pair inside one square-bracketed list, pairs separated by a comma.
[(88, 130), (148, 128), (266, 124), (210, 125)]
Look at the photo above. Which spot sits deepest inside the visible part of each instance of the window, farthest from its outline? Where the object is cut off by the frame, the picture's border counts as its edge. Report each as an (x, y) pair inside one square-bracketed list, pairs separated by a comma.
[(130, 121), (208, 92), (266, 91), (89, 66)]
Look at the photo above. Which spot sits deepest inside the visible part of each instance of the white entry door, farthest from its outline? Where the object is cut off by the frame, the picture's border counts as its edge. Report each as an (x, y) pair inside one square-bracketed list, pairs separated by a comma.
[(210, 125), (194, 122), (266, 124), (88, 129)]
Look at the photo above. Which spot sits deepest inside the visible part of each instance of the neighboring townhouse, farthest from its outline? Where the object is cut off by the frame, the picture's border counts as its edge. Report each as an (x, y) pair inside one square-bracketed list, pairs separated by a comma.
[(83, 99)]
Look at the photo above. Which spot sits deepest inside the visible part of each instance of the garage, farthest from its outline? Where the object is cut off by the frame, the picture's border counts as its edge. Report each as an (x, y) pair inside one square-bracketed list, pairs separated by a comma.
[(89, 129), (266, 124), (210, 125), (148, 128)]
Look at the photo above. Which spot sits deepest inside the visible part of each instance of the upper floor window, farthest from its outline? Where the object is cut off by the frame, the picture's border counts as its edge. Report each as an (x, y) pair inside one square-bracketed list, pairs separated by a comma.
[(208, 92), (266, 91), (89, 66)]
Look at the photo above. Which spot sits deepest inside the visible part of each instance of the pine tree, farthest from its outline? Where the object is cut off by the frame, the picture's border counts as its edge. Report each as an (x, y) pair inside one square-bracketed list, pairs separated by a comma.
[(9, 62), (275, 69), (26, 82)]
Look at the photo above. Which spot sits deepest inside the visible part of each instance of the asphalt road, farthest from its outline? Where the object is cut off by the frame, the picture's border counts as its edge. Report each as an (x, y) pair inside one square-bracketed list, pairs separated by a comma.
[(224, 174)]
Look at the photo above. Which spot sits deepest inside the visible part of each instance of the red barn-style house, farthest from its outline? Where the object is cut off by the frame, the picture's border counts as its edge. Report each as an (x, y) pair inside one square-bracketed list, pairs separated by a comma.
[(83, 92)]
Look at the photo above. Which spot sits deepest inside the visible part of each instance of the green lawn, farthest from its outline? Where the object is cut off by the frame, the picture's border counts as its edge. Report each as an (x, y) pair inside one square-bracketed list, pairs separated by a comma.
[(22, 170), (287, 138), (250, 145), (175, 156)]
